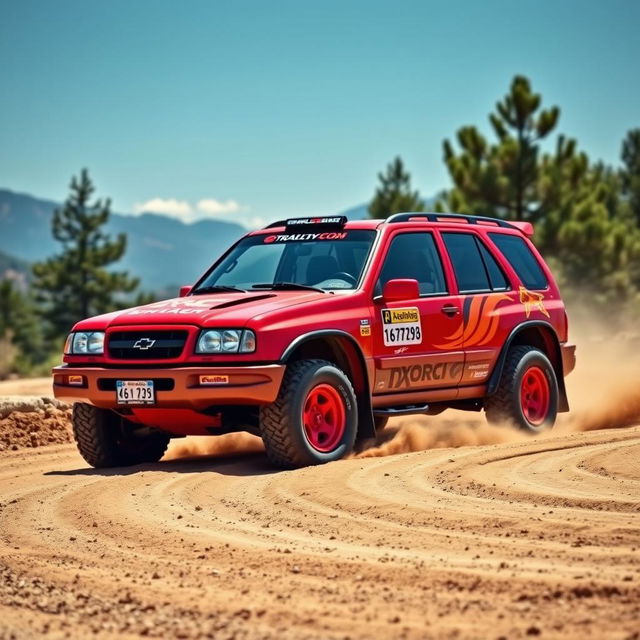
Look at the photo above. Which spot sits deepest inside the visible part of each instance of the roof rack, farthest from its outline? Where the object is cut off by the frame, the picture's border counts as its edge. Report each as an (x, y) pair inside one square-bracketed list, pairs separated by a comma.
[(333, 221), (435, 217)]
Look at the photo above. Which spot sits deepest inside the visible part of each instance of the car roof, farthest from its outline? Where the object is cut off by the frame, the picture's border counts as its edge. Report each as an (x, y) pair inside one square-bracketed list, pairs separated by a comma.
[(422, 219)]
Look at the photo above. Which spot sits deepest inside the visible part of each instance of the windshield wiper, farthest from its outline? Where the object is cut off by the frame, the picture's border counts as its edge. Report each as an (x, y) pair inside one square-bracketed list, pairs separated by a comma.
[(284, 286), (216, 288)]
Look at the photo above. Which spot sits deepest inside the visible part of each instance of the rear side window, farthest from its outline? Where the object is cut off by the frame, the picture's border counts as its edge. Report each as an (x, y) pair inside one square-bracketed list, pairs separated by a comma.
[(524, 263), (475, 268), (496, 276), (468, 266)]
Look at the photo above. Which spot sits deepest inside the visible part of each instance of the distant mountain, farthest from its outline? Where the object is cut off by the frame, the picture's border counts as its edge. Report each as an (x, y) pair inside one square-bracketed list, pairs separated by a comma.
[(361, 212), (357, 213), (161, 251)]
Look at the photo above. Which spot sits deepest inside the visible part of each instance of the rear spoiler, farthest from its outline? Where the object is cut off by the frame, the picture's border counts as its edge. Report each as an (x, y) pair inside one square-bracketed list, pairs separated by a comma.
[(525, 227)]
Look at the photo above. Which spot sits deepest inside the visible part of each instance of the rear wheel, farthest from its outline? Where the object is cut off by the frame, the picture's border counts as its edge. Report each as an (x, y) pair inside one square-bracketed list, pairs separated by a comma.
[(105, 439), (527, 394), (314, 418)]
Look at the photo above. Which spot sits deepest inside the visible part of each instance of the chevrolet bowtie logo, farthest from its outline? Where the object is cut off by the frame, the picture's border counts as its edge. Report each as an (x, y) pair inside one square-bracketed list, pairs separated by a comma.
[(144, 344)]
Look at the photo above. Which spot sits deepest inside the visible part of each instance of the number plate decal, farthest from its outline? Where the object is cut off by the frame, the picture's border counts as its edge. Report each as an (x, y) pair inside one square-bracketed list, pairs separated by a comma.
[(401, 326), (135, 392)]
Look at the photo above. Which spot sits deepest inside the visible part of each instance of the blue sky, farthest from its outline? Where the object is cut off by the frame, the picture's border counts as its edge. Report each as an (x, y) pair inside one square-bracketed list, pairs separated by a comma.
[(260, 110)]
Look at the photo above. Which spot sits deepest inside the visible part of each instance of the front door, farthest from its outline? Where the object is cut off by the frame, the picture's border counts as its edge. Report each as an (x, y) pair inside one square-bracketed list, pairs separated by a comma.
[(417, 343)]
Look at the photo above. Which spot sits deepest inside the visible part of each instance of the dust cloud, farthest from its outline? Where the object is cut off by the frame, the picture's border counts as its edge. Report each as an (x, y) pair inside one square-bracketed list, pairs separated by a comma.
[(231, 444), (604, 393), (603, 390)]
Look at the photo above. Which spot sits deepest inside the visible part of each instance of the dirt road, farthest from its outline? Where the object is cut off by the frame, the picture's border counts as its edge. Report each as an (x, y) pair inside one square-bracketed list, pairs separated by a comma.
[(512, 537), (535, 538)]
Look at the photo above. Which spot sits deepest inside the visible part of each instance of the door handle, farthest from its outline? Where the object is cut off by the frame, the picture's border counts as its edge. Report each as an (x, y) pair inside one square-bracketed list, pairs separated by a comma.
[(450, 310)]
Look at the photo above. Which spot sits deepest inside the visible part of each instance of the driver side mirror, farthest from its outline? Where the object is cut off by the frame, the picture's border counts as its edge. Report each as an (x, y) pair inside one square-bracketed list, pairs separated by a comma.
[(185, 290), (400, 289)]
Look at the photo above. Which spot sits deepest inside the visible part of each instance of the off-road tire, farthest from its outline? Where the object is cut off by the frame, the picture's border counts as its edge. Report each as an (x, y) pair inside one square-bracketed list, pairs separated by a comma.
[(105, 439), (505, 405), (281, 423)]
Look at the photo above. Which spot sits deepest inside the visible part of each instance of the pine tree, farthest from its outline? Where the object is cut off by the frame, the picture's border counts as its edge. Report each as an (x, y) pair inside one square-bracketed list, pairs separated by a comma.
[(501, 179), (76, 283), (583, 212), (394, 195), (631, 171)]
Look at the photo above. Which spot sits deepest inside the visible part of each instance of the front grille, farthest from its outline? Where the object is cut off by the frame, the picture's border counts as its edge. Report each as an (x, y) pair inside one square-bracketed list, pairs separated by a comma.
[(146, 345), (159, 384)]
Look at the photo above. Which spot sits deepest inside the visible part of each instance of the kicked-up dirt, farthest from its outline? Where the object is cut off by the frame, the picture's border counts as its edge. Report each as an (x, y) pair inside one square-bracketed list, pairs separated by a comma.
[(442, 528)]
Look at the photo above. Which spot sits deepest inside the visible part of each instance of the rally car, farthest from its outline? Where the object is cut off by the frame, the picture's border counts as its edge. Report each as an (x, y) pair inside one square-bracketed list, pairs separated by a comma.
[(312, 332)]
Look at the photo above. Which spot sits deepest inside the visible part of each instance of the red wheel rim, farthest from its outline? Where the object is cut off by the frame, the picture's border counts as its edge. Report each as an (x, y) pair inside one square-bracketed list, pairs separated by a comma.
[(535, 396), (324, 417)]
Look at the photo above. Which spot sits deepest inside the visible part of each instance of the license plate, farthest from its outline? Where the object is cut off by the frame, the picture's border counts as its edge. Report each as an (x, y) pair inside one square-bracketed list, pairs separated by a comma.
[(135, 392)]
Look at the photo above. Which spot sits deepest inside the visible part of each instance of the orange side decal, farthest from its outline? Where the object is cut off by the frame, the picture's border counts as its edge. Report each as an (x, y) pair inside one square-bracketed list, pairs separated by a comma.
[(532, 300), (480, 325)]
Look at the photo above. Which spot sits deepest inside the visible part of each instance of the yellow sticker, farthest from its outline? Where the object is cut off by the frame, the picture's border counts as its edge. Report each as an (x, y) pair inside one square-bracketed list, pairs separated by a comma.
[(365, 331), (400, 316)]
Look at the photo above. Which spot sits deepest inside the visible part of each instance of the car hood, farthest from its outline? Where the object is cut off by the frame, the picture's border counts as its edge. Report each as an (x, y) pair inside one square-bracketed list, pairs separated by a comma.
[(215, 310)]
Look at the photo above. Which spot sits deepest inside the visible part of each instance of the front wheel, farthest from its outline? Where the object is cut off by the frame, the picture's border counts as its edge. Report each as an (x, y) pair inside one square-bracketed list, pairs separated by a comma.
[(314, 419), (105, 439), (527, 394)]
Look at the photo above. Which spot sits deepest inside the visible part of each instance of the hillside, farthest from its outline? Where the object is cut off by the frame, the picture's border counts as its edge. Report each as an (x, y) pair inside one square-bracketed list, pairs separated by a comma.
[(162, 251)]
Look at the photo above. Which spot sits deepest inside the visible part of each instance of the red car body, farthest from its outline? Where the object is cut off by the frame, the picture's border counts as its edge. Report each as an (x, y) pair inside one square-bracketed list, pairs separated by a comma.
[(456, 362)]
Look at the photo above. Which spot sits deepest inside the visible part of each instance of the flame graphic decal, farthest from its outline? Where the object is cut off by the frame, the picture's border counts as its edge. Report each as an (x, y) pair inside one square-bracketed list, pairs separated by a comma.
[(480, 322), (532, 300)]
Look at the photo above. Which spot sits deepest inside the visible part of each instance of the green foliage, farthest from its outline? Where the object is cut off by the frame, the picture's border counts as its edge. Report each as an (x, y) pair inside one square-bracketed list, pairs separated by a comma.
[(394, 195), (586, 214), (630, 173), (20, 332), (76, 283), (501, 179)]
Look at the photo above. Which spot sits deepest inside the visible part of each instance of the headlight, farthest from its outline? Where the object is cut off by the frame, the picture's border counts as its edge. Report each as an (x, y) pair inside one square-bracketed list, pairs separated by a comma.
[(248, 344), (85, 342), (230, 341), (209, 342), (68, 344), (226, 341)]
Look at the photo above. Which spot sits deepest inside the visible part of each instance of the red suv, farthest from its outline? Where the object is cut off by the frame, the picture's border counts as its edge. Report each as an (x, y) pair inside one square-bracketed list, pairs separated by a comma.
[(312, 332)]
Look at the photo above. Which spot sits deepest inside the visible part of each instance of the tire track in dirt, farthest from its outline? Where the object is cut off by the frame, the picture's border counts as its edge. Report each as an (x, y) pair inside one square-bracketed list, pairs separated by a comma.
[(515, 539)]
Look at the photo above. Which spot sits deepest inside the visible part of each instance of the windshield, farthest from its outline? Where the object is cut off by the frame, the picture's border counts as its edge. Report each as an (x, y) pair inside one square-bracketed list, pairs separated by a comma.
[(325, 261)]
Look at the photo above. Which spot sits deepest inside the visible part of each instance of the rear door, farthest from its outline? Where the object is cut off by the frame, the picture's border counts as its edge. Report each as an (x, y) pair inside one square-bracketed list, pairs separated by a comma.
[(408, 335), (487, 303)]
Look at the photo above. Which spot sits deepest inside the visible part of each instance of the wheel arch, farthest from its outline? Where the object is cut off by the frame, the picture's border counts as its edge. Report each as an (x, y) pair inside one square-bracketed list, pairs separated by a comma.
[(343, 349), (539, 334)]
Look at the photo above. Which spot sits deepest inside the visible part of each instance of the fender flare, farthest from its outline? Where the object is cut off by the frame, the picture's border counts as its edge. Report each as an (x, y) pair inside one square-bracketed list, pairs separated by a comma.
[(492, 385), (366, 424)]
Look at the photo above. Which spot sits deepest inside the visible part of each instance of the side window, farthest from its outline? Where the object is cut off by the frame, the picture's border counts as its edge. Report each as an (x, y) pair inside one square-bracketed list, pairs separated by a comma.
[(496, 276), (468, 265), (524, 263), (415, 256)]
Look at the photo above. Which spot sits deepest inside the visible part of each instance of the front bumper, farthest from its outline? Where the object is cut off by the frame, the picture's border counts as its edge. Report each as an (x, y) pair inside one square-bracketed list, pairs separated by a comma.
[(177, 387)]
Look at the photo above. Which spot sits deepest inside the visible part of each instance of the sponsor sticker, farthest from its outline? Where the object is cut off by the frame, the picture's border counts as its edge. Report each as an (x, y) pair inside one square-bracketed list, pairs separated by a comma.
[(304, 222), (401, 326), (216, 379), (305, 237), (365, 330), (419, 374)]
